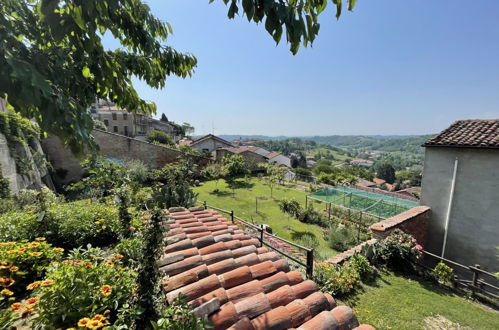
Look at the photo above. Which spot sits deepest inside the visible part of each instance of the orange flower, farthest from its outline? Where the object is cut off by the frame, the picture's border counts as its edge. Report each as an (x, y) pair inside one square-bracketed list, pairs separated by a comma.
[(26, 312), (6, 281), (98, 317), (33, 285), (94, 324), (16, 306), (47, 283), (58, 250), (32, 301), (117, 257), (14, 269), (5, 264), (106, 290), (88, 264), (6, 292), (36, 254), (109, 263), (34, 244), (83, 322)]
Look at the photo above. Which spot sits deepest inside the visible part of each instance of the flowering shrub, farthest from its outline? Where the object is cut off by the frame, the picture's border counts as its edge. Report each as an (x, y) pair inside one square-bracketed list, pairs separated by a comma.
[(363, 267), (337, 280), (83, 222), (178, 316), (399, 251), (23, 262), (85, 293)]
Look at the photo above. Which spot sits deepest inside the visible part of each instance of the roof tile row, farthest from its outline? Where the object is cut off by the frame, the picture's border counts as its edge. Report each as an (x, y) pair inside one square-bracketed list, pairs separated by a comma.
[(227, 276)]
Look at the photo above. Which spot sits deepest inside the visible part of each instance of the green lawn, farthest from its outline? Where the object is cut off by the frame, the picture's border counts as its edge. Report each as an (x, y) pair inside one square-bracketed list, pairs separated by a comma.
[(396, 302), (243, 204)]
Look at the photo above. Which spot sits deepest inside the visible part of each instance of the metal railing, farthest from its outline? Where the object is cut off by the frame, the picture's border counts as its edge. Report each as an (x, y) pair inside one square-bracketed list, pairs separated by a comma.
[(476, 284), (263, 235)]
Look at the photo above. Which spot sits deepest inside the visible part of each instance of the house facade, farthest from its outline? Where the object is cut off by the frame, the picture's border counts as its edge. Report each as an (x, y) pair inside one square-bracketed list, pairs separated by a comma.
[(279, 159), (461, 186), (120, 121), (252, 158), (209, 143)]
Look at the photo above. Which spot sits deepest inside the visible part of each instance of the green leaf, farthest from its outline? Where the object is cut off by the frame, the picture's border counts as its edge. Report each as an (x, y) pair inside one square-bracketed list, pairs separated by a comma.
[(351, 4), (85, 72)]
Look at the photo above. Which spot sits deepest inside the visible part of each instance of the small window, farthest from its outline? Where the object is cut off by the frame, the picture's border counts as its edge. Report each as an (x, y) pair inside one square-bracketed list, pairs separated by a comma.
[(125, 116), (125, 130), (106, 122), (115, 117), (115, 129)]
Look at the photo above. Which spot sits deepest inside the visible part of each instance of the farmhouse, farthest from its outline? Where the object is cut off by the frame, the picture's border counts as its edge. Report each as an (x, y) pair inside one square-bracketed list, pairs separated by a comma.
[(278, 159), (210, 143), (461, 185)]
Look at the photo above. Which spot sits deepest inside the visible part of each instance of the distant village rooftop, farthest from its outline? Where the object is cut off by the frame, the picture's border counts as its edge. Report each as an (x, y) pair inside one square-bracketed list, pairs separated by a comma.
[(473, 133)]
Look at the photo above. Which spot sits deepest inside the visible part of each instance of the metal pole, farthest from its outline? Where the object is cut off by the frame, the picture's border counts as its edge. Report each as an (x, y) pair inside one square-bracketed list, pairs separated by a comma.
[(232, 216), (261, 235), (256, 204), (204, 205), (310, 263), (449, 207), (306, 201)]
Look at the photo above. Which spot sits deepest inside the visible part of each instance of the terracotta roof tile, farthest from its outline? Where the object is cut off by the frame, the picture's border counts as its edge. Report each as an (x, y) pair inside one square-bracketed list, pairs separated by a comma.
[(228, 277), (474, 133)]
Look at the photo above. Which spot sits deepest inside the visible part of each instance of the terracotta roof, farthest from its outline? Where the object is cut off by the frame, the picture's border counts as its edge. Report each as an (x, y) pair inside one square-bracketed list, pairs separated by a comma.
[(473, 133), (272, 154), (378, 181), (210, 136), (227, 276)]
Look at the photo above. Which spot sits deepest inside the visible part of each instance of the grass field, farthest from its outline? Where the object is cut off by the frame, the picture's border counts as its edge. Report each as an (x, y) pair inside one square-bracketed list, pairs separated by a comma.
[(396, 302), (244, 202)]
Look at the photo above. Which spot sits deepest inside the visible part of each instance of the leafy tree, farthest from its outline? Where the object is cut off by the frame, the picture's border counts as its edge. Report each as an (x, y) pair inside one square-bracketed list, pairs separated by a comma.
[(214, 172), (385, 171), (163, 118), (100, 125), (160, 137), (187, 128), (234, 165), (53, 64), (291, 207), (294, 162)]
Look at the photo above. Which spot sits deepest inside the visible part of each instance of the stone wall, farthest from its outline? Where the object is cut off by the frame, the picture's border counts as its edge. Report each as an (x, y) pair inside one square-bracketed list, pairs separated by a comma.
[(112, 146), (35, 175), (413, 221)]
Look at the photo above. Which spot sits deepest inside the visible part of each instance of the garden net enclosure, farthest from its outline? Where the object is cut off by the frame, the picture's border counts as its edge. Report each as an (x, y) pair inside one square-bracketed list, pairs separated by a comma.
[(377, 205)]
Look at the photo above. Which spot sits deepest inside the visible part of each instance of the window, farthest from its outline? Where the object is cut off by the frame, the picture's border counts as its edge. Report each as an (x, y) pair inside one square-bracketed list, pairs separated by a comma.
[(115, 117), (106, 122), (125, 128), (125, 116), (115, 129)]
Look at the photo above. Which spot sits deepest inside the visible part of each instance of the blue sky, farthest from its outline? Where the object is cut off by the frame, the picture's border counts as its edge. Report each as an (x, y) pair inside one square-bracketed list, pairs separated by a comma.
[(388, 67)]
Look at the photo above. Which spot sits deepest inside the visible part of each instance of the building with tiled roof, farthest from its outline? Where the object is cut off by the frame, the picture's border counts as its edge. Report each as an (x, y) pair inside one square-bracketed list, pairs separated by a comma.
[(379, 181), (473, 133), (253, 159), (210, 143), (460, 185), (228, 277)]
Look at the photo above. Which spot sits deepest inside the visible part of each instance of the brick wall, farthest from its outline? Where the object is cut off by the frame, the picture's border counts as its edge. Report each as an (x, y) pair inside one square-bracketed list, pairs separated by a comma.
[(413, 221)]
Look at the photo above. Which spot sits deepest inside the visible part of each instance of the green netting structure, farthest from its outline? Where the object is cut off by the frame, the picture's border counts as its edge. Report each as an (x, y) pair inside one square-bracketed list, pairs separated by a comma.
[(369, 203)]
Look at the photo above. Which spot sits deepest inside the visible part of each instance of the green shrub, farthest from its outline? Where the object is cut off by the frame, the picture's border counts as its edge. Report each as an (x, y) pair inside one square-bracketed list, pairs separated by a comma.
[(312, 216), (363, 267), (23, 262), (160, 137), (80, 223), (337, 280), (19, 225), (82, 289), (4, 186), (8, 205), (37, 200), (443, 273), (179, 316), (130, 249), (398, 251), (341, 237)]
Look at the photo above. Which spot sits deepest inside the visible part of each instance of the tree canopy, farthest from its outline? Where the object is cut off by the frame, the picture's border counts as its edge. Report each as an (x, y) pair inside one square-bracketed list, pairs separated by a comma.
[(53, 64)]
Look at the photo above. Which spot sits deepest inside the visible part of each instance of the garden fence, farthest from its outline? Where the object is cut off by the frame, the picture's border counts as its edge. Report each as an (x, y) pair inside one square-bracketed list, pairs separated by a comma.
[(480, 279), (273, 242)]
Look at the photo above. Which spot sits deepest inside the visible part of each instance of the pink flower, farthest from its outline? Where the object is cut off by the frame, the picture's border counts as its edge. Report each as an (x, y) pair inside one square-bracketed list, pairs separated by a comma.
[(418, 247), (414, 240), (401, 240)]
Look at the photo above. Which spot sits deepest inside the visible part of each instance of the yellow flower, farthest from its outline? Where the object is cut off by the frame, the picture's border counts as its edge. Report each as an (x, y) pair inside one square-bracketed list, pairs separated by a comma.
[(94, 324), (6, 281), (14, 269), (388, 327), (29, 211), (132, 228), (47, 283), (40, 239), (36, 254), (33, 285), (5, 264), (58, 250), (84, 322), (104, 227), (109, 263), (98, 230), (117, 257), (98, 317), (106, 290), (70, 329), (97, 222), (6, 292), (34, 244)]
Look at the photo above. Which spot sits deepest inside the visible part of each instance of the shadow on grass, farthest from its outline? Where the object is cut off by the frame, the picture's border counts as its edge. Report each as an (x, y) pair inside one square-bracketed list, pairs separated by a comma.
[(239, 184), (220, 193), (298, 235)]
